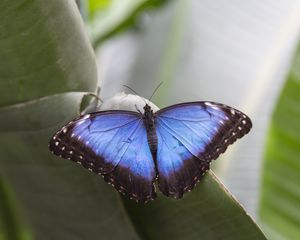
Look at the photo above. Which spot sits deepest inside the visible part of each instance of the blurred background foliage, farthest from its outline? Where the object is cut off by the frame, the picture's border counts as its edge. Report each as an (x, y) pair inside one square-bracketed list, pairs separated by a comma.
[(243, 54), (280, 195), (107, 18)]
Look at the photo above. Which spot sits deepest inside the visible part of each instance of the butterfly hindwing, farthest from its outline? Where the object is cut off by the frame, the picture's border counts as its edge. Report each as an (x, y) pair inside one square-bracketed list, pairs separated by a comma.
[(190, 136), (114, 145)]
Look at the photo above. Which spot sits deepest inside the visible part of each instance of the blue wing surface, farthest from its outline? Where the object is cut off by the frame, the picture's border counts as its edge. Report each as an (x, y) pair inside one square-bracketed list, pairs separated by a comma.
[(190, 136), (114, 145)]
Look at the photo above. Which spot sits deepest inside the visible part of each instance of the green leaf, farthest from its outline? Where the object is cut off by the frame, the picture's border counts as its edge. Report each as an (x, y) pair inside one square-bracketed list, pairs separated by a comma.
[(43, 50), (280, 192), (98, 6), (11, 227), (209, 212), (40, 113), (45, 57), (108, 17)]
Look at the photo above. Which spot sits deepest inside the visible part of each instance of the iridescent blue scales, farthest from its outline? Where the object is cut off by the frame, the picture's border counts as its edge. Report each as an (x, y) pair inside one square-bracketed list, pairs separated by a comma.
[(171, 148)]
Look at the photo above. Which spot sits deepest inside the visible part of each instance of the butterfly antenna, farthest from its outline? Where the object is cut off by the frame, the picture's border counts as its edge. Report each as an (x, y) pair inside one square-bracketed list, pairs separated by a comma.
[(131, 89), (135, 93), (155, 90)]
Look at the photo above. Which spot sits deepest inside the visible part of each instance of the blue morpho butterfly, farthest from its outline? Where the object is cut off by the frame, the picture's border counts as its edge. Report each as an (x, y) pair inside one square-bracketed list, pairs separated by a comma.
[(133, 151)]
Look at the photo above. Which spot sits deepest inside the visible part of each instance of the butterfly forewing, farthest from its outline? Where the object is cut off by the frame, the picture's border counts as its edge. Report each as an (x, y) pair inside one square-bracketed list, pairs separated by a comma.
[(190, 136), (114, 145)]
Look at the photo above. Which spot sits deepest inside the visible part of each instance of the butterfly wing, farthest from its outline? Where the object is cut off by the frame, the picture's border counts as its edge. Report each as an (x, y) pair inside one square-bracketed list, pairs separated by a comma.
[(190, 136), (114, 145)]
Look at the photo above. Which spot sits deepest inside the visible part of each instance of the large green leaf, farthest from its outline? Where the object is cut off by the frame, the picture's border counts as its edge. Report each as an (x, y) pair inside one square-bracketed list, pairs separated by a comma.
[(209, 212), (40, 113), (33, 64), (44, 47), (280, 192)]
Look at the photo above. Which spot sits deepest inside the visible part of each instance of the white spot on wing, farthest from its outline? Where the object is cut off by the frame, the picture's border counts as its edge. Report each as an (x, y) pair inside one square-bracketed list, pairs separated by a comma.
[(232, 111), (79, 122), (86, 116), (56, 143), (208, 104)]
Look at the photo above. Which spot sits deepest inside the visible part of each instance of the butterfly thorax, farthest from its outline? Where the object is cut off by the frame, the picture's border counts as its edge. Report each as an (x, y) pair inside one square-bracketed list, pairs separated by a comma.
[(148, 117), (149, 122)]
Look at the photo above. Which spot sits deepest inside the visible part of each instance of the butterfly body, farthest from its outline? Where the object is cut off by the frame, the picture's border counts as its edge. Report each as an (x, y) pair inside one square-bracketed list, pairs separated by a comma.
[(149, 122), (171, 148)]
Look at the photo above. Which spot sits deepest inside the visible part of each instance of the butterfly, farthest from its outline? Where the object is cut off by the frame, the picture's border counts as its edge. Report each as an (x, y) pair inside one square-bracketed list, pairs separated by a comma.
[(171, 148)]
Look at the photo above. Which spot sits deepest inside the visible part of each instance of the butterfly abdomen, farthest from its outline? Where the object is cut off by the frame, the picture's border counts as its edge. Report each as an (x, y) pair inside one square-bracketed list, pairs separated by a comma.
[(152, 142), (149, 122)]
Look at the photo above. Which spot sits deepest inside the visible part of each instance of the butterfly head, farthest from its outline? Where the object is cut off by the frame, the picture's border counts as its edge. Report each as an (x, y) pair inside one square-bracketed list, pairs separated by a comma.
[(147, 108)]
